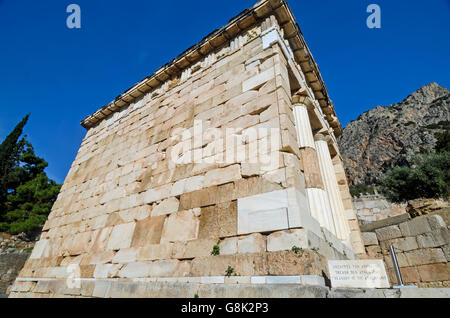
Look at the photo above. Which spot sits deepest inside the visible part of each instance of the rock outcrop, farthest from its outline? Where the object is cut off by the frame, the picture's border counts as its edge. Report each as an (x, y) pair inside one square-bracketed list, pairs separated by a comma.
[(384, 137), (14, 251)]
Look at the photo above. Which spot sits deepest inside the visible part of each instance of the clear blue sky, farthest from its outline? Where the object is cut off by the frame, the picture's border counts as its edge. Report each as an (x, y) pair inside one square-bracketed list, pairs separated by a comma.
[(61, 75)]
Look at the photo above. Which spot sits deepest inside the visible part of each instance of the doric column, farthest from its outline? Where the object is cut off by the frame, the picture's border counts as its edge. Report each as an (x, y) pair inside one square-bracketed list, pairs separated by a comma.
[(332, 188), (303, 126), (317, 197)]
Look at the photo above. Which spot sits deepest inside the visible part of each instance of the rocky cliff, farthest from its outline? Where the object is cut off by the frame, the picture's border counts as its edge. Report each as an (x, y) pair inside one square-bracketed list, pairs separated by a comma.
[(384, 137)]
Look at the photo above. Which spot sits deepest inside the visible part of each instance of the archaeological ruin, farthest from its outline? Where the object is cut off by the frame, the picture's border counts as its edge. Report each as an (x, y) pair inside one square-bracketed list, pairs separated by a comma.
[(220, 169)]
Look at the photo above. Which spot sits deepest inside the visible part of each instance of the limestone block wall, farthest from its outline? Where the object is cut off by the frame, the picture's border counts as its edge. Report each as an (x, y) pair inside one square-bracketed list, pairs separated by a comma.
[(370, 208), (422, 247), (200, 176)]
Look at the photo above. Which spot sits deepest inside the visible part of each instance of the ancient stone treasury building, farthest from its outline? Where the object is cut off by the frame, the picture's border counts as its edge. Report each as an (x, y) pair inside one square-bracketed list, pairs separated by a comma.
[(220, 168)]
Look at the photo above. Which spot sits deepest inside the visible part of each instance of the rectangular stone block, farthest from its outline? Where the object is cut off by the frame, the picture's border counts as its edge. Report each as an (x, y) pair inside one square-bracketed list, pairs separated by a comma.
[(153, 252), (425, 256), (403, 243), (389, 232), (228, 246), (253, 243), (121, 236), (286, 240), (200, 247), (135, 270), (258, 80), (180, 226), (227, 217), (125, 255), (262, 221), (221, 176), (369, 238), (434, 272), (166, 206), (148, 231), (415, 227), (103, 271), (263, 212)]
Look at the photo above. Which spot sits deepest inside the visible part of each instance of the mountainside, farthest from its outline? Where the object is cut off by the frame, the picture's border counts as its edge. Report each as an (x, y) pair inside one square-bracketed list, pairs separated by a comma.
[(384, 137)]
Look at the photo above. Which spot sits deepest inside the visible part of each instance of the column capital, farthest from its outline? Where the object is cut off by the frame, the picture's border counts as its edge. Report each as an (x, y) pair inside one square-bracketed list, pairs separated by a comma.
[(322, 136), (299, 99)]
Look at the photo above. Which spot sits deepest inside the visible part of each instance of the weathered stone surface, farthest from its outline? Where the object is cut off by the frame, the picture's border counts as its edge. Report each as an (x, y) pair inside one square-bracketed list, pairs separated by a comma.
[(148, 231), (221, 176), (167, 206), (374, 251), (369, 238), (372, 226), (135, 270), (434, 272), (260, 291), (100, 239), (209, 227), (180, 226), (121, 236), (415, 227), (154, 252), (125, 255), (425, 293), (99, 258), (198, 248), (253, 243), (106, 270), (389, 232), (425, 256), (10, 266), (227, 218), (404, 243), (229, 246), (286, 240), (290, 263)]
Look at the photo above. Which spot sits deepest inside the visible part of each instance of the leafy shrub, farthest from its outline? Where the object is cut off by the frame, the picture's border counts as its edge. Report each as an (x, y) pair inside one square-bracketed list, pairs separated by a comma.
[(216, 249), (428, 178), (229, 271), (443, 142)]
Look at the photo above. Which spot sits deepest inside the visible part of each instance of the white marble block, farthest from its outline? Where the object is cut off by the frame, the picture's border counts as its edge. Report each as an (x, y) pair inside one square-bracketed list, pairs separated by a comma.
[(273, 211)]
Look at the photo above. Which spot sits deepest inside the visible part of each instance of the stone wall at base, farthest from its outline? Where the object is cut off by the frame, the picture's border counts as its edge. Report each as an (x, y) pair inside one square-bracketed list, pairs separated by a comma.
[(371, 208), (422, 247), (118, 289)]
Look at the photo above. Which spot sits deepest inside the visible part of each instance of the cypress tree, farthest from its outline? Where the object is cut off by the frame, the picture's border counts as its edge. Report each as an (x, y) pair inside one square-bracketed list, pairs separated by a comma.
[(10, 150), (27, 194)]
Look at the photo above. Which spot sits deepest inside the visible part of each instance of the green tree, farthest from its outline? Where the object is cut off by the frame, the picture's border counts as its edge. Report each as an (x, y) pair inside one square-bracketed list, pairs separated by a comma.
[(443, 142), (428, 178), (10, 150), (29, 193)]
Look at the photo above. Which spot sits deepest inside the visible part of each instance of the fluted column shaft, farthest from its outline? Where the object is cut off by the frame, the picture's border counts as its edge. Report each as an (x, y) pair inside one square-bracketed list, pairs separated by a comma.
[(303, 126), (332, 189), (317, 197)]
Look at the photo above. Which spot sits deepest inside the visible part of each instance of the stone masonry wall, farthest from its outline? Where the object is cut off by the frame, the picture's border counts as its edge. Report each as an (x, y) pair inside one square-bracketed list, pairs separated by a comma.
[(161, 190), (422, 247), (127, 211), (370, 208)]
